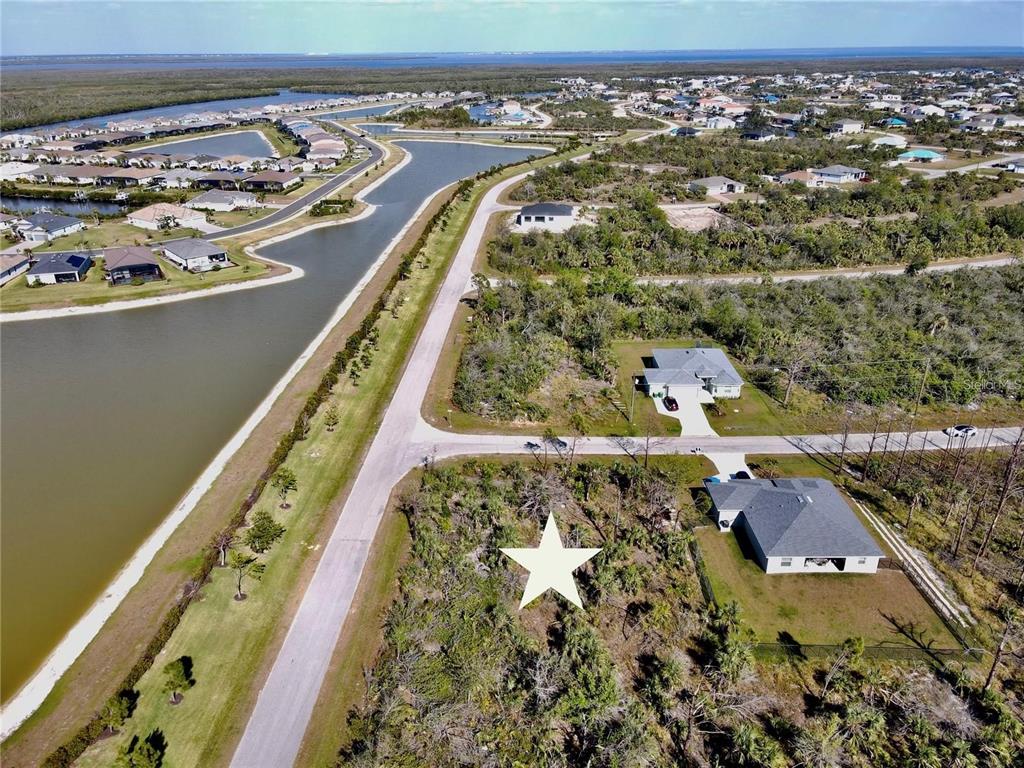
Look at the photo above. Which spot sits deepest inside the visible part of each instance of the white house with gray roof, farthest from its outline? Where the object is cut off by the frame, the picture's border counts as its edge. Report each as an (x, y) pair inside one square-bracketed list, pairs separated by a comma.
[(702, 371), (795, 525), (550, 217), (195, 255)]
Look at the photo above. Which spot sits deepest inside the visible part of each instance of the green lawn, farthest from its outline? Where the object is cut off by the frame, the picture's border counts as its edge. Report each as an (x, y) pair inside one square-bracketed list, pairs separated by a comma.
[(237, 218), (112, 232), (818, 608), (17, 296)]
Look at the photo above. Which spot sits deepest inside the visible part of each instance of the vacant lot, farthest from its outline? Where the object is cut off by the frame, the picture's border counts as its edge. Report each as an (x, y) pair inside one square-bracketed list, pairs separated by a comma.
[(883, 608)]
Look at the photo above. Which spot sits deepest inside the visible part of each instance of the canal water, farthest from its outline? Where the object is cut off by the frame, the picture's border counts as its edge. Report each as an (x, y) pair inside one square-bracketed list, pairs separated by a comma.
[(247, 143), (29, 205), (109, 418)]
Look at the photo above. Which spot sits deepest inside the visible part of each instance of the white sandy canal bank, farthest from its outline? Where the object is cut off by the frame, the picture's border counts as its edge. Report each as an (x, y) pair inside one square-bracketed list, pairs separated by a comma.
[(31, 696)]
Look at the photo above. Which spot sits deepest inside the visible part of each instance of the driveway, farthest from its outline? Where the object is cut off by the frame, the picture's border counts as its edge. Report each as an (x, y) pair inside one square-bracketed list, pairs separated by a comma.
[(691, 417)]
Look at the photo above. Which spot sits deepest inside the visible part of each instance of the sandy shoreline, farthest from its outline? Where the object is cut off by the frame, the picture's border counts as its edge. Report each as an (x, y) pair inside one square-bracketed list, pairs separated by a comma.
[(31, 695)]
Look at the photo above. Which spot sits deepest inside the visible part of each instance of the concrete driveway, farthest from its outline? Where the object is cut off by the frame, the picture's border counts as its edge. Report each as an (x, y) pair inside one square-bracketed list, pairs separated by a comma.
[(691, 417)]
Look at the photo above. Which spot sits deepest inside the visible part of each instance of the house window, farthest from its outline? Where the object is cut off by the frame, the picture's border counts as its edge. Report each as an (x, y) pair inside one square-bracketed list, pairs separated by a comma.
[(862, 561), (786, 562)]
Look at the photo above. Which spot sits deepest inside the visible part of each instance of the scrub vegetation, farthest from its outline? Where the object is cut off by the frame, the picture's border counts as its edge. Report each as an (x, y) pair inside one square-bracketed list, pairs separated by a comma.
[(649, 674)]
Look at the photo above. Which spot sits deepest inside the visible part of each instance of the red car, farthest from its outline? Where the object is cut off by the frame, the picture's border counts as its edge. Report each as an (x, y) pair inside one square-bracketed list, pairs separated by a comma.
[(670, 404)]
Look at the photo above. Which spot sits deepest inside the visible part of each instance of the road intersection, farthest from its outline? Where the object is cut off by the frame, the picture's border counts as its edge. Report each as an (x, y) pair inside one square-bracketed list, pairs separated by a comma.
[(276, 727)]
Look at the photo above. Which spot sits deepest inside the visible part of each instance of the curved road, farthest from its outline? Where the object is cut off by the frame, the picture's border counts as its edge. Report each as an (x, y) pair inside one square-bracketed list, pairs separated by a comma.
[(325, 189)]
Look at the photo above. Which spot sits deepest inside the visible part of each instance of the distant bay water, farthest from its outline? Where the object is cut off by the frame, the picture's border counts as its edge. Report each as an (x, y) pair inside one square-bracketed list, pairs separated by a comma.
[(545, 58)]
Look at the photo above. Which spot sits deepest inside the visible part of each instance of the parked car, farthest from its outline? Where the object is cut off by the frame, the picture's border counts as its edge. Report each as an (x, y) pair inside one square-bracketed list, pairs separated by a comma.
[(531, 446), (671, 404), (961, 431)]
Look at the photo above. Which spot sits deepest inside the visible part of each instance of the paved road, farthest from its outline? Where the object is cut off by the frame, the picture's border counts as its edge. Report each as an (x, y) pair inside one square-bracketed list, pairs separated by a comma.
[(936, 173), (325, 189), (279, 720)]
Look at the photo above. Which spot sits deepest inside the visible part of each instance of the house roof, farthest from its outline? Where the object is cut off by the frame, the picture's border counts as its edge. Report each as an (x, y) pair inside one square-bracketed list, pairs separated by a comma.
[(192, 248), (838, 170), (546, 209), (713, 181), (272, 176), (158, 211), (51, 222), (796, 517), (128, 256), (220, 196), (58, 262), (689, 367)]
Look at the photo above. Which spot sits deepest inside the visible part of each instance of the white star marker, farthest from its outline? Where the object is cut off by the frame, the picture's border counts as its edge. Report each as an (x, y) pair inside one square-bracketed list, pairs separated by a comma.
[(551, 565)]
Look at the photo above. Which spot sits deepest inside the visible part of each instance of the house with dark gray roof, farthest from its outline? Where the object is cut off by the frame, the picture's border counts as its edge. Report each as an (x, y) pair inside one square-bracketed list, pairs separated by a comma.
[(795, 525), (195, 255), (59, 267), (704, 371), (126, 264), (43, 227), (551, 217)]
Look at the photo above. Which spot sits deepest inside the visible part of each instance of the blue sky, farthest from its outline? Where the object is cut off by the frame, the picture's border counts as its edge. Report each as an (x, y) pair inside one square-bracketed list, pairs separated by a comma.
[(371, 26)]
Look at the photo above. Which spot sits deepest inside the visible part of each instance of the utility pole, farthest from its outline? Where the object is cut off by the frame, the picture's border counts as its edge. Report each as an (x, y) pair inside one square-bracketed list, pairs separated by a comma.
[(913, 417)]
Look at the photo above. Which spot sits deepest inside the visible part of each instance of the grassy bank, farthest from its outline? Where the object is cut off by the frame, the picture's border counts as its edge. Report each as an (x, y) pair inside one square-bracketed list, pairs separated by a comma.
[(283, 143), (18, 296), (202, 730)]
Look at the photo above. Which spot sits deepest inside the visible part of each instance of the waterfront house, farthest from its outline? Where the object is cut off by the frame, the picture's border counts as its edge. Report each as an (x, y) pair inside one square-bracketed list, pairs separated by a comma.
[(222, 180), (12, 265), (127, 264), (43, 227), (273, 181), (59, 267), (222, 200), (165, 216), (794, 525), (195, 255)]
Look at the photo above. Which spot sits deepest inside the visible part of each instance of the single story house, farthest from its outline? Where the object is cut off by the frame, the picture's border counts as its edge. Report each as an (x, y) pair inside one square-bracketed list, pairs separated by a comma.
[(846, 126), (551, 217), (165, 216), (921, 156), (839, 174), (178, 178), (43, 227), (12, 265), (717, 185), (759, 135), (703, 371), (795, 525), (1011, 121), (719, 122), (894, 122), (222, 200), (273, 181), (124, 264), (890, 140), (59, 267), (222, 180), (195, 255), (805, 177)]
